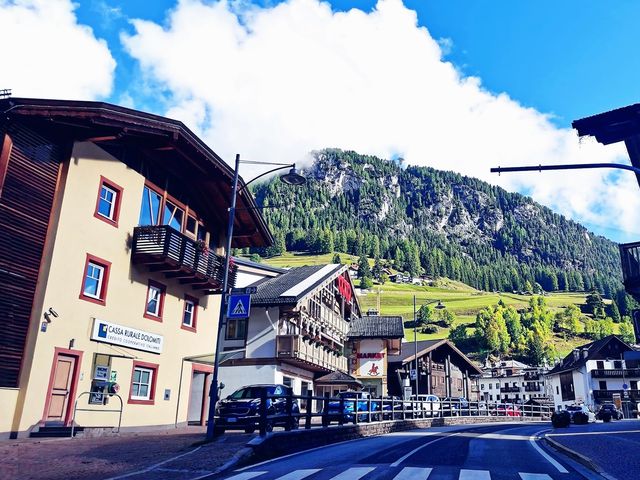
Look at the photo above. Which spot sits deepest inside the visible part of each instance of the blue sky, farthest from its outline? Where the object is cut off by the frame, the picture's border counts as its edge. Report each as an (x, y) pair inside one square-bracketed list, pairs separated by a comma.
[(455, 84)]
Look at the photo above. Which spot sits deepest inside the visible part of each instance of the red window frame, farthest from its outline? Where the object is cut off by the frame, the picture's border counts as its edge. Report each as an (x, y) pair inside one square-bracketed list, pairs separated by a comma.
[(116, 206), (194, 318), (163, 292), (105, 280), (152, 388)]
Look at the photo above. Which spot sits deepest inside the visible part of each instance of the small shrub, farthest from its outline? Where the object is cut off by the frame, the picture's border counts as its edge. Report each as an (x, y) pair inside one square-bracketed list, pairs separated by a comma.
[(431, 328)]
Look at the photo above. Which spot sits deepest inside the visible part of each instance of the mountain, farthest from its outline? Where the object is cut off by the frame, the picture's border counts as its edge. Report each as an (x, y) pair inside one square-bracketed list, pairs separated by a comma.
[(437, 222)]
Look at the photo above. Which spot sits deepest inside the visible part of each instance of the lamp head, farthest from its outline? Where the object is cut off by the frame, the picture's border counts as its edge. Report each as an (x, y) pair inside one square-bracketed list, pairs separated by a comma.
[(293, 178), (439, 306)]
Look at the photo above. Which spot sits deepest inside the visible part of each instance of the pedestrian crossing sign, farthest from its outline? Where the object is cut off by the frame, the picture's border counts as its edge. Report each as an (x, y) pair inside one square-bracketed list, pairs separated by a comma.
[(239, 306)]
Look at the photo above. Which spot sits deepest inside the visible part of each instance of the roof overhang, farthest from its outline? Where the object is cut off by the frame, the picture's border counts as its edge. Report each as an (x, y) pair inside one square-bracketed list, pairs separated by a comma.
[(170, 141)]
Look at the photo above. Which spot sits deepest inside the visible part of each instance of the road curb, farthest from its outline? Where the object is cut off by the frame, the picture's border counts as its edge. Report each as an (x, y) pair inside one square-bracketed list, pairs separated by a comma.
[(239, 458), (582, 459)]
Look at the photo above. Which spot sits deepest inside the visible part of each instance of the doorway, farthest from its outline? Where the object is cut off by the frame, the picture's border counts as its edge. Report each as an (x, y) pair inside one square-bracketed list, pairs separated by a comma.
[(62, 386), (199, 395)]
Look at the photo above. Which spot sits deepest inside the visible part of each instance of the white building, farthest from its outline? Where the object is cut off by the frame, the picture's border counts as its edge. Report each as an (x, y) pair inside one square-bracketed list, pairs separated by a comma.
[(511, 381), (296, 331), (595, 373)]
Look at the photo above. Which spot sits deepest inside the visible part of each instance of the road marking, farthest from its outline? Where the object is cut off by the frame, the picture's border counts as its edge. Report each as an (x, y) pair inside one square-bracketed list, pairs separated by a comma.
[(604, 432), (246, 475), (299, 474), (353, 473), (474, 475), (403, 458), (413, 473), (534, 476), (547, 457)]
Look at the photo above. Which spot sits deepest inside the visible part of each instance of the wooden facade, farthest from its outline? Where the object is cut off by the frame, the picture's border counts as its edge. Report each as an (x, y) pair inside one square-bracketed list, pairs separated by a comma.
[(29, 168)]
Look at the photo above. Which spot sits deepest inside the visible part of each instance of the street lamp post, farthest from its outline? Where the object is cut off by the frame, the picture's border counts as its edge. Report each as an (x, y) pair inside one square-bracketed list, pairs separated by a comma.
[(291, 178), (439, 306), (568, 166)]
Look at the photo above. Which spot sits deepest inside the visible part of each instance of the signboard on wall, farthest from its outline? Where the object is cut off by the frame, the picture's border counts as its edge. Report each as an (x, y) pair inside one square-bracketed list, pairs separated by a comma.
[(107, 332), (371, 358)]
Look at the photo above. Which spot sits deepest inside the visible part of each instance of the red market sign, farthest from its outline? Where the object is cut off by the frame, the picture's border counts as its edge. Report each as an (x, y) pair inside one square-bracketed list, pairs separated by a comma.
[(344, 287), (378, 356)]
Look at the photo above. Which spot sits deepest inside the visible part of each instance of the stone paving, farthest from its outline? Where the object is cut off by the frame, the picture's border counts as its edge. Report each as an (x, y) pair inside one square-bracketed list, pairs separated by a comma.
[(167, 455)]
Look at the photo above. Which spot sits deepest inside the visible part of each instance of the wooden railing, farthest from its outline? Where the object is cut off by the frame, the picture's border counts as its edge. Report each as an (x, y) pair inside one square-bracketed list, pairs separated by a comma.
[(293, 347), (180, 257), (616, 373), (630, 257), (608, 394)]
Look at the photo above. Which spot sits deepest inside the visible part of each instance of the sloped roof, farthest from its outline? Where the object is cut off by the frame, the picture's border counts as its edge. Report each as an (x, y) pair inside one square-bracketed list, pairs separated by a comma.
[(337, 378), (112, 126), (425, 346), (292, 285), (376, 326), (570, 362), (261, 266)]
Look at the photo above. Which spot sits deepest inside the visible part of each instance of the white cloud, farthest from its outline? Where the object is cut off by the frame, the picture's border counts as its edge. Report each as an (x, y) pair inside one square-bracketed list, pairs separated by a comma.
[(47, 53), (274, 82)]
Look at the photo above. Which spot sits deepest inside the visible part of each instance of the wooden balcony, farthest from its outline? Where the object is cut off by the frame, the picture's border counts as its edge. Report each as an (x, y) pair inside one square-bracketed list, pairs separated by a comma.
[(179, 257), (601, 395), (532, 388), (529, 376), (616, 373), (294, 349), (630, 257), (509, 389)]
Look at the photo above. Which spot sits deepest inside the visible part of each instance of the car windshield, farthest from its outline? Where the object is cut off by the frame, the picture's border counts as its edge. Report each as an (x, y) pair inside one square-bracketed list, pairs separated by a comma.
[(250, 392)]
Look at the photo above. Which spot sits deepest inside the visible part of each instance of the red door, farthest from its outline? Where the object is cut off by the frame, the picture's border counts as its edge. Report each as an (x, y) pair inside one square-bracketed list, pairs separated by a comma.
[(62, 386)]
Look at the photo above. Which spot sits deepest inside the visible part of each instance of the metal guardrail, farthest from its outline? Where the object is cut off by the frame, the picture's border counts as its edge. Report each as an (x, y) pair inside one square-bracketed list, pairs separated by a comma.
[(370, 410), (76, 409)]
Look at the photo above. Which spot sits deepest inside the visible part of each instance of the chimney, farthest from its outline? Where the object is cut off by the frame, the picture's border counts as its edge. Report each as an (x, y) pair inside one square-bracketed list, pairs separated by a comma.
[(585, 353), (576, 354)]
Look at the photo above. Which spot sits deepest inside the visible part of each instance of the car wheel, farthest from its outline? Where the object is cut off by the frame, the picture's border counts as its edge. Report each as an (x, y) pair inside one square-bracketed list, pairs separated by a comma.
[(249, 430)]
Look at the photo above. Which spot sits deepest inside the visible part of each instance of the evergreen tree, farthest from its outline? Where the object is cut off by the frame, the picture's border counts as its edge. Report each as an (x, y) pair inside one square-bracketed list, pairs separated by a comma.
[(627, 332), (364, 271), (336, 258)]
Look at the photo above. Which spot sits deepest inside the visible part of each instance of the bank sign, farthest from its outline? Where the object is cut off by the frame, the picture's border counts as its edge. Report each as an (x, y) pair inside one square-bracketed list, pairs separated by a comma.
[(115, 334)]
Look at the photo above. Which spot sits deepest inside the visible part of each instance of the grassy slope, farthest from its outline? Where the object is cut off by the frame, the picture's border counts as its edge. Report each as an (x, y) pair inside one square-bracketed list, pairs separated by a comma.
[(462, 300)]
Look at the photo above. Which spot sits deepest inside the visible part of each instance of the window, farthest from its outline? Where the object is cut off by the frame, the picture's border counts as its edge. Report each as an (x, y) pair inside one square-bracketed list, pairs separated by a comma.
[(602, 384), (172, 216), (633, 384), (95, 279), (600, 365), (108, 203), (287, 381), (617, 364), (155, 301), (482, 386), (143, 383), (236, 329), (490, 386), (150, 209), (189, 314)]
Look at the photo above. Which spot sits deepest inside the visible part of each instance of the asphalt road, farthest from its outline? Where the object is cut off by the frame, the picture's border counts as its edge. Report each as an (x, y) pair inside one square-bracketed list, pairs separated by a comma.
[(612, 446), (487, 452)]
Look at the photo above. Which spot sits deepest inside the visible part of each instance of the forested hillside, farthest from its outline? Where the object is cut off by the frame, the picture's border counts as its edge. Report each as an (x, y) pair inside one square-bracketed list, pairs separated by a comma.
[(436, 222)]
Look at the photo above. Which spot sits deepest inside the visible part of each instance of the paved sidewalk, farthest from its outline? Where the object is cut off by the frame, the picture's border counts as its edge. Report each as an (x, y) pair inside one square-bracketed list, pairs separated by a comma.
[(167, 455), (612, 447)]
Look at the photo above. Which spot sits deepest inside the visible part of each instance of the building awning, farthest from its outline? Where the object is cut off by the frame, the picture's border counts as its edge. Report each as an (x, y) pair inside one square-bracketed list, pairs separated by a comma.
[(338, 378), (209, 358)]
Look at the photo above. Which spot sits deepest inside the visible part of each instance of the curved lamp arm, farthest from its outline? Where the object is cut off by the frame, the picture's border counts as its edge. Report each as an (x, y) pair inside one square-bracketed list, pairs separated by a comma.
[(241, 189)]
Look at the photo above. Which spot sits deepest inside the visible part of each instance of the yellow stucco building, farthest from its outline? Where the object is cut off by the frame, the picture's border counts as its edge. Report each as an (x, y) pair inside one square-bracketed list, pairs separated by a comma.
[(112, 223)]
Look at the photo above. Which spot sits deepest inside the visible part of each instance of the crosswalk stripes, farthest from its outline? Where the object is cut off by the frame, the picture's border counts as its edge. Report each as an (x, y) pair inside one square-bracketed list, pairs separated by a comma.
[(474, 475), (413, 473), (407, 473), (353, 473), (299, 474), (246, 475)]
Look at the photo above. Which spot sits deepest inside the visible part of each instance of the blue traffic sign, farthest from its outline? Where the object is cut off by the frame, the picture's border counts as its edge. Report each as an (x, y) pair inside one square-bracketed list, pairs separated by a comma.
[(239, 306), (625, 386)]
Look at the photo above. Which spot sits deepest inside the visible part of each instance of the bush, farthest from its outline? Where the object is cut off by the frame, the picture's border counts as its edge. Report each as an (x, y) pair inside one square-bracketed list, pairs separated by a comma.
[(560, 419), (431, 328)]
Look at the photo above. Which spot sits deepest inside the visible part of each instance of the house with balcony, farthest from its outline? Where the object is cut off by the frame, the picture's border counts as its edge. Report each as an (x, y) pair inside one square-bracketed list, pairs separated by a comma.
[(596, 373), (296, 332), (511, 381), (112, 226)]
